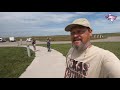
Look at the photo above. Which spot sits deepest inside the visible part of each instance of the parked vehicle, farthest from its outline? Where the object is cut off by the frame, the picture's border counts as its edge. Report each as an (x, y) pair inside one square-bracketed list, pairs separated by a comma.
[(12, 39), (2, 39), (29, 39)]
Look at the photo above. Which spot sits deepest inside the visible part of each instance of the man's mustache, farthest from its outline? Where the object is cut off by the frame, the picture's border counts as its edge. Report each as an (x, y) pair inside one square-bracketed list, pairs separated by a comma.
[(77, 39)]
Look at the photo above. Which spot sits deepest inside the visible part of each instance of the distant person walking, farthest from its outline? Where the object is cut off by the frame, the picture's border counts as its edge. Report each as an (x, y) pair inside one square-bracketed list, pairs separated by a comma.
[(20, 41), (48, 44), (34, 44)]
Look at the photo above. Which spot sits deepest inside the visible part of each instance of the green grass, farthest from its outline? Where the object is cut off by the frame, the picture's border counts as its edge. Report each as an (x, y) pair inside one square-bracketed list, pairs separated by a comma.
[(62, 48), (14, 61), (111, 46)]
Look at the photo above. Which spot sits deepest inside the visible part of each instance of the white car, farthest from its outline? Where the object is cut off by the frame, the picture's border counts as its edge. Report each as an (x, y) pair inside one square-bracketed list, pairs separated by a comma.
[(29, 39), (2, 39)]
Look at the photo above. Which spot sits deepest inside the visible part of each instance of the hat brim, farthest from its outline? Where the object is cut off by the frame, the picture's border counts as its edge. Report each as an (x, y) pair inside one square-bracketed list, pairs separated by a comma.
[(69, 27)]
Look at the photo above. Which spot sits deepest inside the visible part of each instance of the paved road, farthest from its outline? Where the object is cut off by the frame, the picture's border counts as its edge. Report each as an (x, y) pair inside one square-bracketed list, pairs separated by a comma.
[(109, 39)]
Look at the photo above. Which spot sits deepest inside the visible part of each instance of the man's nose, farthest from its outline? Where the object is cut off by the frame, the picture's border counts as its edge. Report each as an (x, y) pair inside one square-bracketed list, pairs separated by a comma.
[(76, 35)]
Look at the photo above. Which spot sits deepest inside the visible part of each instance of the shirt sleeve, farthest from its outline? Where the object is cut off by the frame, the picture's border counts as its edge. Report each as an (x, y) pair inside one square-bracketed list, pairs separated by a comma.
[(111, 65)]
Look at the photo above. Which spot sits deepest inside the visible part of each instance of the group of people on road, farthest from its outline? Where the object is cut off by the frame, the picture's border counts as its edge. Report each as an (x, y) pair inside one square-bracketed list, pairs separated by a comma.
[(48, 44)]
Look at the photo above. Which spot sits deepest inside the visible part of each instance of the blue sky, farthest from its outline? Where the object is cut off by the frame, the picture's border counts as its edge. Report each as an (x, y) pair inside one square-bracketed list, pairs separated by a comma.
[(53, 23)]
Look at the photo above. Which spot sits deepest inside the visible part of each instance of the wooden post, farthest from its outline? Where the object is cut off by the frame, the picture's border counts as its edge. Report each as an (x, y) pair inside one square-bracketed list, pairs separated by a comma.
[(28, 51)]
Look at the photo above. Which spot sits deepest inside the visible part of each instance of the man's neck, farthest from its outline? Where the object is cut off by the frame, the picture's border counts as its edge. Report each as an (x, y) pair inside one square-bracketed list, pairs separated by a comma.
[(88, 45)]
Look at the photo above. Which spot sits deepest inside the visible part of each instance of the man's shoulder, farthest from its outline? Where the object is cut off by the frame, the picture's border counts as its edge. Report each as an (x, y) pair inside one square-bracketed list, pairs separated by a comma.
[(100, 51), (98, 48), (106, 53)]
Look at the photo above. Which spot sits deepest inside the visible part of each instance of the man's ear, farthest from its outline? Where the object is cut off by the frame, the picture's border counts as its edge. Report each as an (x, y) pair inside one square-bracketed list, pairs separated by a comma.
[(90, 31)]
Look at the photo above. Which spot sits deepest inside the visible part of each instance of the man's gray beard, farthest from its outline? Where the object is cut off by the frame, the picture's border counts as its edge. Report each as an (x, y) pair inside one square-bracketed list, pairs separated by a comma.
[(81, 47)]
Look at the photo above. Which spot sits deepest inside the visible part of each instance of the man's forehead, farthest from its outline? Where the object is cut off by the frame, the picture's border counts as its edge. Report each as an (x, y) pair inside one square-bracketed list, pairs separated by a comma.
[(78, 28)]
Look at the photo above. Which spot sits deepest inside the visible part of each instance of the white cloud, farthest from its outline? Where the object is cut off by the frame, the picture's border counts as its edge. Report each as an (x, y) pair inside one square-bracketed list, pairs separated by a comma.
[(52, 22), (33, 18), (41, 17)]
